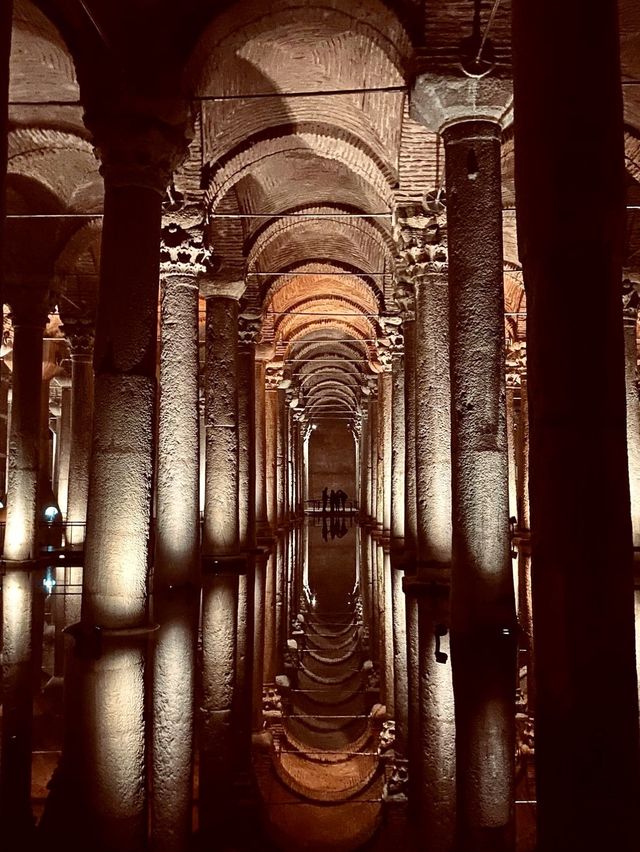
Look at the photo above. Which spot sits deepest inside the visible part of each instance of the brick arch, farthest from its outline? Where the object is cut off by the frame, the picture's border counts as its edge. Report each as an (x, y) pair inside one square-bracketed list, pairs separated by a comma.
[(298, 45), (351, 153)]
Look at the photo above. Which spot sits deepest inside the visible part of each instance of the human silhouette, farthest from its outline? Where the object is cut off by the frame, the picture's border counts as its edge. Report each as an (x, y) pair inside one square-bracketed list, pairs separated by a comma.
[(341, 497), (332, 501), (325, 497)]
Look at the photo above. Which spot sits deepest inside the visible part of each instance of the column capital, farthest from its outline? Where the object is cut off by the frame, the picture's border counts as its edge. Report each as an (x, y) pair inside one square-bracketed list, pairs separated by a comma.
[(80, 331), (404, 295), (183, 253), (420, 235), (630, 296), (515, 362), (211, 289), (439, 101), (249, 328), (30, 304), (274, 376), (140, 143)]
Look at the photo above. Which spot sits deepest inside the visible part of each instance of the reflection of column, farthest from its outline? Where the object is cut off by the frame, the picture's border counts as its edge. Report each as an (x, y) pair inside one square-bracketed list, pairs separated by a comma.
[(105, 735), (221, 555), (20, 581), (482, 606), (580, 519), (176, 572)]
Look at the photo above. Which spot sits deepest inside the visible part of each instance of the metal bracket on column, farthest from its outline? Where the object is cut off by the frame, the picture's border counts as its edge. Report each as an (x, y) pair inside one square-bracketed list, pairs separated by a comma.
[(89, 638), (224, 564), (441, 630)]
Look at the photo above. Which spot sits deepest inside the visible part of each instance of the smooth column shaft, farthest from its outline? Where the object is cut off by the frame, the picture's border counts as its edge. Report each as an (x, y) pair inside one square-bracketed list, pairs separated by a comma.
[(580, 507)]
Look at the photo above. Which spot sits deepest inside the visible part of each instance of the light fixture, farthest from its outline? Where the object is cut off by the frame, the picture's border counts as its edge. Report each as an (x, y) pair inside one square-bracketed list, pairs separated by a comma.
[(49, 581), (50, 513)]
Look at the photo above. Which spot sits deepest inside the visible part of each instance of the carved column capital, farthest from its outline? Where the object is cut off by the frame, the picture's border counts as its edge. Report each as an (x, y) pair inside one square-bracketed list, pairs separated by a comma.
[(183, 252), (249, 328), (80, 331), (139, 143), (274, 376), (404, 295), (515, 362), (630, 296), (420, 235), (30, 304)]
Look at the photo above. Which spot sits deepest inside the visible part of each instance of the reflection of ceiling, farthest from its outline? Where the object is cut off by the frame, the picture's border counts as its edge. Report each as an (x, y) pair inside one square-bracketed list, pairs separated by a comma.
[(303, 147)]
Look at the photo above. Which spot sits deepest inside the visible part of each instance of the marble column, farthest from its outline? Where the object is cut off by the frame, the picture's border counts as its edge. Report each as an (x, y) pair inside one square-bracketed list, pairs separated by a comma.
[(631, 301), (261, 506), (398, 477), (437, 773), (523, 536), (222, 562), (105, 750), (176, 578), (21, 581), (587, 757), (80, 332), (281, 459), (482, 605), (6, 24), (248, 329), (273, 376)]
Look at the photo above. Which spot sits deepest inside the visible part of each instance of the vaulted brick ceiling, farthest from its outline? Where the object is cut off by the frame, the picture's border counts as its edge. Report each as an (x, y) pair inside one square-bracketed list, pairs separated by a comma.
[(303, 146)]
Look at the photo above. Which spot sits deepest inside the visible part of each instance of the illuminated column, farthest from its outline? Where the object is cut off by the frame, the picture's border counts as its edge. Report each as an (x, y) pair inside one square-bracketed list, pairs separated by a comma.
[(261, 508), (222, 562), (523, 532), (80, 332), (273, 377), (399, 628), (176, 578), (105, 739), (63, 445), (437, 772), (6, 23), (21, 578), (248, 329), (281, 458), (631, 301), (482, 606), (582, 593)]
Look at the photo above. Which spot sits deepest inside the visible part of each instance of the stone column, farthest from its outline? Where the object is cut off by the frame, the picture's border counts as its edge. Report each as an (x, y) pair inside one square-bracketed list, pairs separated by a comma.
[(482, 605), (523, 533), (398, 563), (248, 329), (176, 579), (582, 593), (261, 509), (222, 562), (80, 332), (105, 739), (631, 301), (6, 24), (63, 446), (21, 581), (281, 458), (273, 376)]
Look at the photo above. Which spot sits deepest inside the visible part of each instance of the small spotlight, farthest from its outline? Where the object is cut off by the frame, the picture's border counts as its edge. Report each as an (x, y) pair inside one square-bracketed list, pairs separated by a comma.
[(314, 426), (49, 582), (51, 512)]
